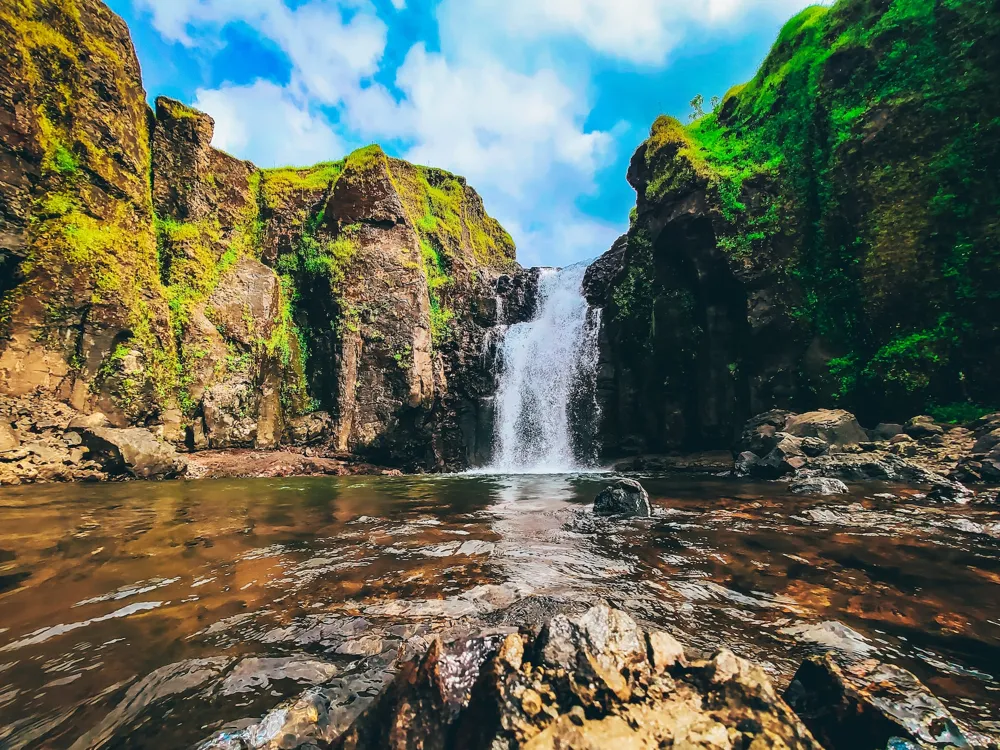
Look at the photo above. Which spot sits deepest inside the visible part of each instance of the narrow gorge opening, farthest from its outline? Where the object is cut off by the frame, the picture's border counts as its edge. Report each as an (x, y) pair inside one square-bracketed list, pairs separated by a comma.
[(546, 406)]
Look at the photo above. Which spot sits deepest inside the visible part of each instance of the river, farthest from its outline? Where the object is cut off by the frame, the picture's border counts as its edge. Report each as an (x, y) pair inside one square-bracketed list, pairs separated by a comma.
[(150, 615)]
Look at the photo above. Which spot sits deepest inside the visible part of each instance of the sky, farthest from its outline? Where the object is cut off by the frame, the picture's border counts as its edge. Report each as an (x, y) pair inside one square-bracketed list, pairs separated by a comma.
[(540, 104)]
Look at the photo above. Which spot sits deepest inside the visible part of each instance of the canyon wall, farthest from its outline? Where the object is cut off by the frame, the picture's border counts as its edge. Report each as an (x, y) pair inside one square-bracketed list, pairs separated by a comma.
[(829, 233), (148, 276)]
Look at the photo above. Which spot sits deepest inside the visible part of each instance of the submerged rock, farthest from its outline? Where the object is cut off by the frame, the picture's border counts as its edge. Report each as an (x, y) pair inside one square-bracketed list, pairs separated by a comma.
[(865, 705), (818, 486), (594, 681), (624, 498)]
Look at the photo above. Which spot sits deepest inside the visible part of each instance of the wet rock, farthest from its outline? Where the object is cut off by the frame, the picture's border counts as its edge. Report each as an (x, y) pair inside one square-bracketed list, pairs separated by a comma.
[(835, 427), (705, 462), (832, 635), (745, 463), (922, 427), (133, 451), (863, 706), (818, 486), (890, 468), (624, 498), (785, 458), (602, 273), (598, 680)]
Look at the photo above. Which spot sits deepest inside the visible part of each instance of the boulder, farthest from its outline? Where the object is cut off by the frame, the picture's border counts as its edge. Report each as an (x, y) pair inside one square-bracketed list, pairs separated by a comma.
[(785, 458), (133, 451), (624, 498), (863, 706), (922, 427), (813, 447), (835, 427), (758, 435), (308, 429), (598, 680), (745, 463), (9, 439), (986, 441), (231, 410), (885, 431), (88, 421), (818, 486)]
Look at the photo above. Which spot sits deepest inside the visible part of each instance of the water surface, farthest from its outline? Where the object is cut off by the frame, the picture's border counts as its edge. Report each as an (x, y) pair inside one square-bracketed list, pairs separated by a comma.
[(149, 615)]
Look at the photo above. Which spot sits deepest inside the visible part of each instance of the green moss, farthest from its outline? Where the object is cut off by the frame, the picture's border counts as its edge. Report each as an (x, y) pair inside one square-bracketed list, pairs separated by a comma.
[(281, 185), (858, 164)]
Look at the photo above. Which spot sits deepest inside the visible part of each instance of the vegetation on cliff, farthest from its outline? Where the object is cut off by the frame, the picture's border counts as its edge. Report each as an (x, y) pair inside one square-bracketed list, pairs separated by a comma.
[(857, 172)]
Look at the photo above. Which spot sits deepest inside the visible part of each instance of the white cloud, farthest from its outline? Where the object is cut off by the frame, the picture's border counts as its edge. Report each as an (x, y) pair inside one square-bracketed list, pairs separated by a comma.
[(497, 127), (331, 51), (263, 122), (639, 31)]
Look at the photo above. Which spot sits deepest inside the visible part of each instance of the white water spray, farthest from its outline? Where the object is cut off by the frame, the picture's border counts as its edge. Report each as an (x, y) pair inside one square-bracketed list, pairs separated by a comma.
[(544, 364)]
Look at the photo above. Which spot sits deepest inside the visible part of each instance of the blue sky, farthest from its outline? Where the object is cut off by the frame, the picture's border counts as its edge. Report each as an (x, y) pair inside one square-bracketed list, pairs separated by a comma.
[(539, 103)]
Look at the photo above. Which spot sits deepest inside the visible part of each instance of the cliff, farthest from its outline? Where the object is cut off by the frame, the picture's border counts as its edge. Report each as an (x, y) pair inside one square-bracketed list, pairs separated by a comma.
[(829, 233), (148, 276)]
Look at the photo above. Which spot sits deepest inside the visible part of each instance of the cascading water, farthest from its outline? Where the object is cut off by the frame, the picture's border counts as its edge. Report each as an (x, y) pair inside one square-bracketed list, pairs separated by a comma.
[(547, 372)]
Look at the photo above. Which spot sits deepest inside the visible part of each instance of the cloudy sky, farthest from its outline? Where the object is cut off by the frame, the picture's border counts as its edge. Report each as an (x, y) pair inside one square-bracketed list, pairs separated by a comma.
[(539, 103)]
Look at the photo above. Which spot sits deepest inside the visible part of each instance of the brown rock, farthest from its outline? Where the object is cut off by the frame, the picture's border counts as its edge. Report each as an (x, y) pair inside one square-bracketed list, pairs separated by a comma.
[(582, 683), (133, 451), (9, 439)]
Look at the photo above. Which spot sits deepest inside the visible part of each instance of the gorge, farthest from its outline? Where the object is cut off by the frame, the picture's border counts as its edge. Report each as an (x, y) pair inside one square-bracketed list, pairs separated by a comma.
[(384, 436)]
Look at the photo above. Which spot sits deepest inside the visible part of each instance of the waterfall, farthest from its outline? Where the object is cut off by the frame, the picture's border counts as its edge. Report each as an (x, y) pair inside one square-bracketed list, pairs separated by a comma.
[(547, 371)]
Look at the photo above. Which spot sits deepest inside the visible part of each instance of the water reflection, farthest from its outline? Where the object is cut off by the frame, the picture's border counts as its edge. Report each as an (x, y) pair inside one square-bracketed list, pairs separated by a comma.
[(149, 615)]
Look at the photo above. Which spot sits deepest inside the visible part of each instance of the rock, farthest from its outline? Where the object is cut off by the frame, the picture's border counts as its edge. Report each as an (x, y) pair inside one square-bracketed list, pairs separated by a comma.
[(705, 462), (9, 439), (133, 451), (903, 445), (624, 498), (863, 706), (922, 427), (308, 429), (813, 446), (88, 421), (758, 435), (745, 463), (835, 427), (986, 441), (818, 486), (868, 466), (785, 458), (602, 273), (230, 414), (586, 682), (886, 431)]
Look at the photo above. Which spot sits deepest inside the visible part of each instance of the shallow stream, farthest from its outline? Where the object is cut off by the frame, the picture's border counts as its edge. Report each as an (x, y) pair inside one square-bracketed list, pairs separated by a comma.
[(150, 615)]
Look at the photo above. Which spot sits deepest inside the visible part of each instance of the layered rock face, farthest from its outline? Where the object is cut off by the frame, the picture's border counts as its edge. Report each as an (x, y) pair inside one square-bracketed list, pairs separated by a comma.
[(827, 234), (148, 276)]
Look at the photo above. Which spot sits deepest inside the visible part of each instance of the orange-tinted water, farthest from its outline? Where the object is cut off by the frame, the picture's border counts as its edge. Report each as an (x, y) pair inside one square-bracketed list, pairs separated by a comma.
[(149, 615)]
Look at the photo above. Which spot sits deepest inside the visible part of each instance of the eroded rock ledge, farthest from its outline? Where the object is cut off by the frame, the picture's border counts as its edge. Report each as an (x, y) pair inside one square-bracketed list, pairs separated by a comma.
[(600, 680)]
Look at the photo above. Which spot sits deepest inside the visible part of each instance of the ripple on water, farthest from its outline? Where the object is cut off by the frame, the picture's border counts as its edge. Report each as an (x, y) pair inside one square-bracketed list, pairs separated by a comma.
[(266, 587)]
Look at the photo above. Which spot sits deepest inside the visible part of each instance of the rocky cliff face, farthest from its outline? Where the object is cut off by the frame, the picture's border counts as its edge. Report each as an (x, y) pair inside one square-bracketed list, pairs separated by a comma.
[(148, 276), (828, 233)]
